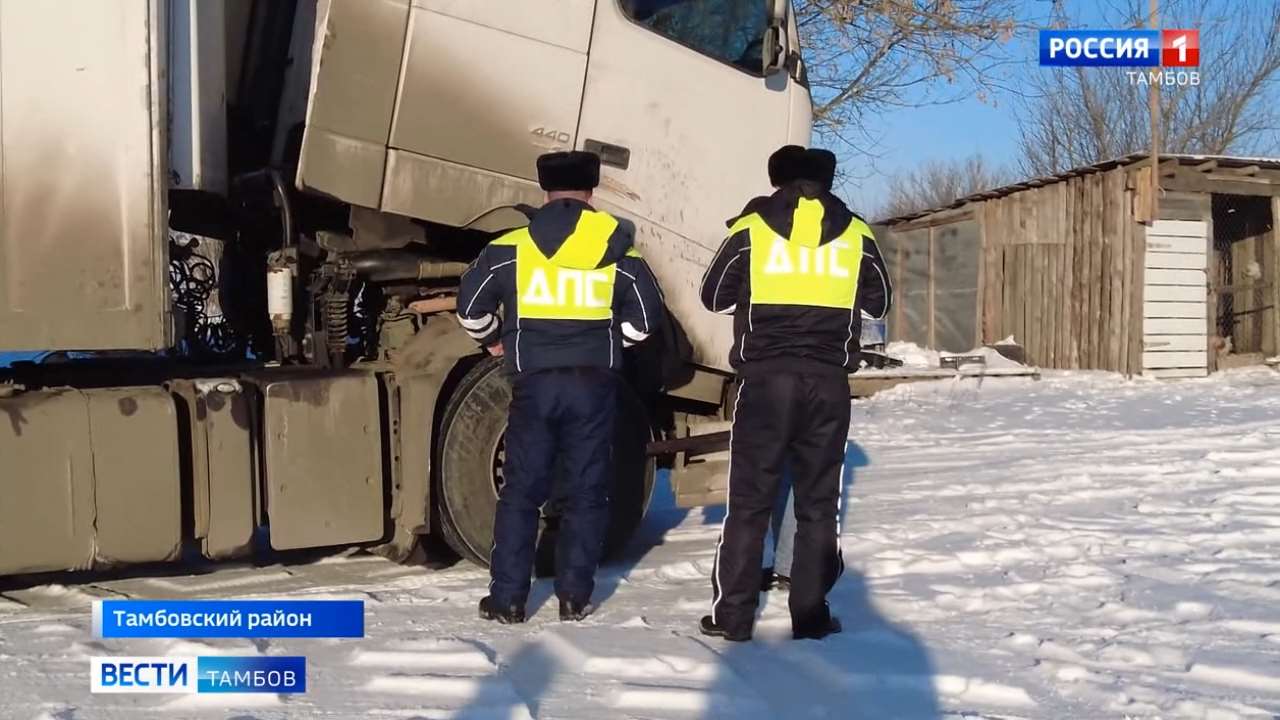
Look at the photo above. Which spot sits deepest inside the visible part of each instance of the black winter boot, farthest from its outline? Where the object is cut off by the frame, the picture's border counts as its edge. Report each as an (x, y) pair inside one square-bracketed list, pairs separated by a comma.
[(818, 631), (711, 629), (574, 611), (510, 615)]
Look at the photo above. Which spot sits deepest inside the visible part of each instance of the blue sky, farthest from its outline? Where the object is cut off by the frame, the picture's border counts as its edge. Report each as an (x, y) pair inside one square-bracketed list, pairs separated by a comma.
[(909, 137), (914, 136)]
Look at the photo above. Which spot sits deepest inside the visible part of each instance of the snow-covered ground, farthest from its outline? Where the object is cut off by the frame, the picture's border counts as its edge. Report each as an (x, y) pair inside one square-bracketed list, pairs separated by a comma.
[(1074, 547)]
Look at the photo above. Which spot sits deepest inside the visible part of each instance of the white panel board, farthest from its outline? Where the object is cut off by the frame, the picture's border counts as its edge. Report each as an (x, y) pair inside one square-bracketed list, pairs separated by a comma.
[(1177, 372), (1175, 293), (1175, 305), (1194, 277), (1176, 244), (1164, 343), (1183, 228), (1175, 359), (1197, 311), (1175, 326), (1191, 261)]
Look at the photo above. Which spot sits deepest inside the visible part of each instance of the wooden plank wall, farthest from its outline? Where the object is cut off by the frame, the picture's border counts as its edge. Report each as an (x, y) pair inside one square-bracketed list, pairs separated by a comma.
[(1062, 273)]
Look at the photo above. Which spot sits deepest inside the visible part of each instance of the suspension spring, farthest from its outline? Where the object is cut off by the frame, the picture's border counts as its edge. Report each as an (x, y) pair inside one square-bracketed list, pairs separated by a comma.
[(337, 323)]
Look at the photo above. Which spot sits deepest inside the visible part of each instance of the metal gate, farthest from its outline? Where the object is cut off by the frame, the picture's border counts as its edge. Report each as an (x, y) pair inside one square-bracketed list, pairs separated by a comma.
[(1242, 279)]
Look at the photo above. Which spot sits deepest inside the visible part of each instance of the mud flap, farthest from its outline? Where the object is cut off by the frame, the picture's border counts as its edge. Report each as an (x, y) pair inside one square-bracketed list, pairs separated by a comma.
[(701, 482), (423, 368), (701, 479), (323, 455)]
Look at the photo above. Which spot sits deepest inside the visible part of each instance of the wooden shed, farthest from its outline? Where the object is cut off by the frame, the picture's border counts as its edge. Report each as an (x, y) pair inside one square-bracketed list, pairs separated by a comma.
[(1065, 265)]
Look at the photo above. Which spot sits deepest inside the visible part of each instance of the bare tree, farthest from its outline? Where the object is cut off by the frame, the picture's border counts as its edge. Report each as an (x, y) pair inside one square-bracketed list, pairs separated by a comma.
[(938, 183), (866, 56), (1083, 115)]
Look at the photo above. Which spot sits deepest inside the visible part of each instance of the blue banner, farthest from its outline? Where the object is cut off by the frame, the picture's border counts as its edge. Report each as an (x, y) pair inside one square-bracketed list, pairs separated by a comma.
[(1100, 48), (266, 674), (228, 618)]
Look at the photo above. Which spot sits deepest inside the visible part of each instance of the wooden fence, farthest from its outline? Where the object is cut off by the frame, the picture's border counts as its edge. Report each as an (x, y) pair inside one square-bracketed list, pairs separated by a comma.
[(1062, 273), (1061, 265)]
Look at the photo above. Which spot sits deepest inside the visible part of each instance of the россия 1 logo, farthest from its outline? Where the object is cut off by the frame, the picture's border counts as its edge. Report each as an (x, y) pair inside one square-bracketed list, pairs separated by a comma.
[(1176, 51)]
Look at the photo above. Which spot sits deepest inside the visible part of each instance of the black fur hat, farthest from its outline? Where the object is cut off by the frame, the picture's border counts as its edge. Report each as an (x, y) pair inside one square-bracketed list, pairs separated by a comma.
[(820, 167), (574, 170), (786, 164)]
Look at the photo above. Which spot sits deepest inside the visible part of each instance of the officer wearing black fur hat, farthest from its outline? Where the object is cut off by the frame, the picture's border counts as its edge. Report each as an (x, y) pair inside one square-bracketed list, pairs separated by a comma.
[(795, 272), (786, 165), (573, 291)]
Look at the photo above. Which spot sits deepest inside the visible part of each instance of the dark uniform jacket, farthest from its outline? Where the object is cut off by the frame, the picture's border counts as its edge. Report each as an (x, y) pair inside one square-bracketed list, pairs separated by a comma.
[(572, 288), (796, 271)]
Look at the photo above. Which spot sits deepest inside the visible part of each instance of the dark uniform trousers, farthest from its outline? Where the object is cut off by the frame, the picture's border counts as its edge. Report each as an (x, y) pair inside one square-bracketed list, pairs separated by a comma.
[(783, 418), (564, 414)]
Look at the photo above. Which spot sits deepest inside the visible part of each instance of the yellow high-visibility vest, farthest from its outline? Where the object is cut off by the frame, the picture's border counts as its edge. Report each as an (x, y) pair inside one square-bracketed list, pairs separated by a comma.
[(568, 285), (799, 270)]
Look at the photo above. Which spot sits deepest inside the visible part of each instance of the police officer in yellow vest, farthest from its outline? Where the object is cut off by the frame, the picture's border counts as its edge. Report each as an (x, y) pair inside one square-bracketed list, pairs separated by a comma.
[(795, 274), (573, 291)]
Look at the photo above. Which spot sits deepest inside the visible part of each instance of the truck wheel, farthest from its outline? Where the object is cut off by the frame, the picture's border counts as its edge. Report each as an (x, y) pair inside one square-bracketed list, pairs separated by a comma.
[(470, 457)]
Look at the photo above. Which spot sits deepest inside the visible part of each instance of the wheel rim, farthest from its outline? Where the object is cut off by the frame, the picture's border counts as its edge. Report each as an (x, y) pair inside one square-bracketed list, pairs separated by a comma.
[(497, 476), (469, 534)]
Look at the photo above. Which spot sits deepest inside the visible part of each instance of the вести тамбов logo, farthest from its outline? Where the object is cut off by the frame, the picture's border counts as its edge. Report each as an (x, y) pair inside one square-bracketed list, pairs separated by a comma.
[(1166, 57), (129, 619)]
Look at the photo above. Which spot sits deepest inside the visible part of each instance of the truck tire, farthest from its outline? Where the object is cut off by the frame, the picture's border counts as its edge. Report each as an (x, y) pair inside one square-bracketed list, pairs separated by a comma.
[(470, 453)]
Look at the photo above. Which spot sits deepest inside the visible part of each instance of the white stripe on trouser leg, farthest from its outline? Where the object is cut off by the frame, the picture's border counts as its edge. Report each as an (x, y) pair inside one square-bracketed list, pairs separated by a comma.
[(492, 547), (840, 511), (728, 490)]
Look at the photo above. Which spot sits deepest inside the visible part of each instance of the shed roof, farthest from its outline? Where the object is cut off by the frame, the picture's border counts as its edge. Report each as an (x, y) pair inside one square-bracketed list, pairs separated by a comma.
[(1226, 161)]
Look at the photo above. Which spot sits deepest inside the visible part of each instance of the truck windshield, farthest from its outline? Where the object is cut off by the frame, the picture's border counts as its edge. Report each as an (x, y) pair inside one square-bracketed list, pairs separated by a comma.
[(731, 31)]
